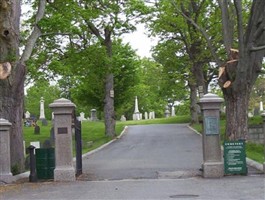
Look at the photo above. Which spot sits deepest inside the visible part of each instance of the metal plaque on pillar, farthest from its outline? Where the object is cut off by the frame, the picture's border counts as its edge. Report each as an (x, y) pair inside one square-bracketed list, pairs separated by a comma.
[(211, 125)]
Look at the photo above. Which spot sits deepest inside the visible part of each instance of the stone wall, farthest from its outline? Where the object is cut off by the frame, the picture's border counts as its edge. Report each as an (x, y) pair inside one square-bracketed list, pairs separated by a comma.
[(255, 134)]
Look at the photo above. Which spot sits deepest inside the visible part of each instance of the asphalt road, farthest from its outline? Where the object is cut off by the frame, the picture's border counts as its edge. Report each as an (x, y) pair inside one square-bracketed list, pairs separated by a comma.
[(147, 152), (147, 162)]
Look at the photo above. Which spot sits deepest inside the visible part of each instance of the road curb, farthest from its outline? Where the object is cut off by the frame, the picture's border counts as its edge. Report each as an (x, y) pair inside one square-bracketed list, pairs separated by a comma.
[(249, 161), (105, 145)]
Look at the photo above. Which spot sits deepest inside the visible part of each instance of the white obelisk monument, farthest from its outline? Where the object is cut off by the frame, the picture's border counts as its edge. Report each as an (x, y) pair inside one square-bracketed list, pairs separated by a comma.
[(136, 114), (42, 115)]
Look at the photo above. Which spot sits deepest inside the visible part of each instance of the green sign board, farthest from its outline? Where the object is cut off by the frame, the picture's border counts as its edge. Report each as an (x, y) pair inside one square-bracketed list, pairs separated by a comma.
[(235, 157)]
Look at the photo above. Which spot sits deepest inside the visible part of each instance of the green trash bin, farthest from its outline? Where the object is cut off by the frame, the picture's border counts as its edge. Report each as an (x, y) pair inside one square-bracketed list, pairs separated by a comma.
[(45, 163)]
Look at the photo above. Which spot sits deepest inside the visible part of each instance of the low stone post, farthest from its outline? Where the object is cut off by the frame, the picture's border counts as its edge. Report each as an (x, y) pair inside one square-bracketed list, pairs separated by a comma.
[(64, 169), (263, 117), (213, 166), (5, 164), (33, 174)]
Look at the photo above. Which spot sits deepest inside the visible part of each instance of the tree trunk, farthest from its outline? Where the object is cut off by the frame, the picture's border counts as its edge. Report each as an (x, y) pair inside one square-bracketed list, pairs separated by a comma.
[(12, 88), (236, 115), (109, 107), (193, 103), (109, 112)]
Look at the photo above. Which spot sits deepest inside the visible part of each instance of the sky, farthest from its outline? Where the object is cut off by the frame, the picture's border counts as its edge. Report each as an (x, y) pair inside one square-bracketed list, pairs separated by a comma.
[(140, 41)]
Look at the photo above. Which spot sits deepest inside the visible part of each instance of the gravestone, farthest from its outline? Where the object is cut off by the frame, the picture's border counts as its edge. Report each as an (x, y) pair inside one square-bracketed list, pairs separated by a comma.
[(93, 115), (82, 116), (136, 114), (145, 115), (44, 122), (167, 112), (42, 114), (27, 115), (261, 106), (123, 118), (5, 163), (152, 115), (173, 111), (63, 110), (36, 129), (36, 144)]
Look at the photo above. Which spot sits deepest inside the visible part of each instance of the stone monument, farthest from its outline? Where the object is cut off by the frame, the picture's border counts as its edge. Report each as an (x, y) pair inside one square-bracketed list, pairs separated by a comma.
[(145, 115), (5, 173), (42, 114), (27, 115), (213, 166), (123, 118), (167, 112), (93, 115), (261, 106), (136, 114), (173, 113), (64, 169), (82, 116)]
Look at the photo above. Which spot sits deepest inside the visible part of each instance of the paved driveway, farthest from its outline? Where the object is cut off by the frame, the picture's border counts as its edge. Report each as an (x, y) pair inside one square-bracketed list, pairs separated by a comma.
[(149, 151)]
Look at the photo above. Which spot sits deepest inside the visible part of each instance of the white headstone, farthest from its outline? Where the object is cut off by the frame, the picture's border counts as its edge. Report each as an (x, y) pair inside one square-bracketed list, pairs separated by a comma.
[(82, 116), (42, 115), (27, 115), (36, 144), (123, 118), (145, 115), (173, 111), (261, 106)]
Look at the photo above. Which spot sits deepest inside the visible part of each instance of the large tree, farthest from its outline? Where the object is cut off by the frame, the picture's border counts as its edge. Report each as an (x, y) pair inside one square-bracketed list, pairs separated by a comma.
[(172, 27), (243, 72), (243, 41), (12, 86)]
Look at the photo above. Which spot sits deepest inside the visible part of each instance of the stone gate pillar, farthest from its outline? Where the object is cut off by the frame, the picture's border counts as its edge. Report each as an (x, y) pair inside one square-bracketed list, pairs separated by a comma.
[(263, 117), (5, 172), (213, 166), (64, 169)]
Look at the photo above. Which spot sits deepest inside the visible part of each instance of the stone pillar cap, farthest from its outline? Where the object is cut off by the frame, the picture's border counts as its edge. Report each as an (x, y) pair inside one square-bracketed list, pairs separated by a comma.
[(213, 98), (4, 122), (62, 103)]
